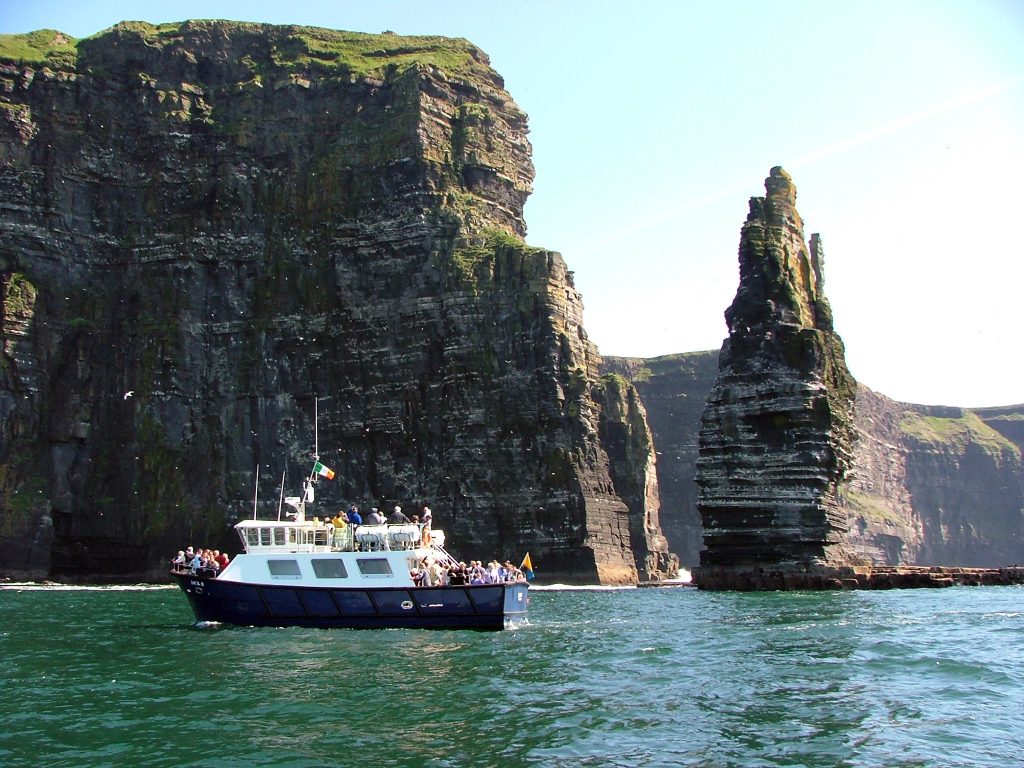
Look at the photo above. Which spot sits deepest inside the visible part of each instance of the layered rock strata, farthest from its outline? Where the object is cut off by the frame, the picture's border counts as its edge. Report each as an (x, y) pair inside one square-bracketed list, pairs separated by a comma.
[(212, 230), (934, 485), (928, 484), (777, 430)]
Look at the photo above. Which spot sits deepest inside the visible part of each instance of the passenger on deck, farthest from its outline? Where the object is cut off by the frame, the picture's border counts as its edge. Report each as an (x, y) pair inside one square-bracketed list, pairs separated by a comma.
[(179, 560), (438, 575), (222, 559), (457, 575), (426, 519), (339, 521), (375, 517), (398, 517), (354, 518), (426, 580)]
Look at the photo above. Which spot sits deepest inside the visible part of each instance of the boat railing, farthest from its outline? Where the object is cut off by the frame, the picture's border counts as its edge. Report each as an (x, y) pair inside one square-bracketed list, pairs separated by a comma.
[(316, 536), (374, 538)]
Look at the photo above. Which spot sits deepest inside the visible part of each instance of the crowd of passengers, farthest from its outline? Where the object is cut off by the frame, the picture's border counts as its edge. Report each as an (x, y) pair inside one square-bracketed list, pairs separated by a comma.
[(376, 517), (432, 573), (204, 562), (341, 526)]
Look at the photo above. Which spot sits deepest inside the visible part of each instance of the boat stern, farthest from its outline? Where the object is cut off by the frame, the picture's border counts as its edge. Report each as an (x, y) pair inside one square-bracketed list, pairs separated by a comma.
[(517, 600)]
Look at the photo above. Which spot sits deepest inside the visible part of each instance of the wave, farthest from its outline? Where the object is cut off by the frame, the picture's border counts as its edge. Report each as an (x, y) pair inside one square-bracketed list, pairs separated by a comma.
[(39, 586), (579, 588)]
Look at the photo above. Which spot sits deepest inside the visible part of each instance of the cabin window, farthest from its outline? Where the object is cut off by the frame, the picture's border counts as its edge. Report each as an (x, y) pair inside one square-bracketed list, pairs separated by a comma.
[(374, 566), (329, 568), (252, 537), (284, 569), (279, 537)]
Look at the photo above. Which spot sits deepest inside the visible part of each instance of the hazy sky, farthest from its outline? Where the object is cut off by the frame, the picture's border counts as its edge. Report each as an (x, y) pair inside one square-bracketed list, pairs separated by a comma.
[(901, 122)]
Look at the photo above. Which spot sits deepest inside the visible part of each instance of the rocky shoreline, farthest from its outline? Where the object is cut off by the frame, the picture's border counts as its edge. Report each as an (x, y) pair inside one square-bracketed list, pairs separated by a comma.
[(747, 579)]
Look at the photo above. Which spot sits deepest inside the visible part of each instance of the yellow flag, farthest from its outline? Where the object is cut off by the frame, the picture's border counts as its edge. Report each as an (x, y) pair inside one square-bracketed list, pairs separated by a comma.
[(527, 567)]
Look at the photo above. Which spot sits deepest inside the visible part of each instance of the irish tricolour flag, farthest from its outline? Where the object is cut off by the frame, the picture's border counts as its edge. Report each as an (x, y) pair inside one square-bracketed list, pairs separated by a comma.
[(323, 471)]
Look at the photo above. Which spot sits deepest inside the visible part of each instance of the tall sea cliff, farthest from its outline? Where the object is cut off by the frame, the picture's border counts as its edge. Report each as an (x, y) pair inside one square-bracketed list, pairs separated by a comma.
[(211, 231)]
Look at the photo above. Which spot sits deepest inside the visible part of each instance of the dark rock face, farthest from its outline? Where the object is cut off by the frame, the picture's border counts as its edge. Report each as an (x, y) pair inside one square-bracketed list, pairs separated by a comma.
[(212, 228), (673, 389), (777, 433)]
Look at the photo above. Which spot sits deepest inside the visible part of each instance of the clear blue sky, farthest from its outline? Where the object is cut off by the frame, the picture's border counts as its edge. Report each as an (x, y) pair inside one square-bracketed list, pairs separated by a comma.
[(901, 121)]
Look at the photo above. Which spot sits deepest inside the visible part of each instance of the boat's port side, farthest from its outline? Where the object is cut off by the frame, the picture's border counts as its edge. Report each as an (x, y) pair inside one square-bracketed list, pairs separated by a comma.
[(491, 606)]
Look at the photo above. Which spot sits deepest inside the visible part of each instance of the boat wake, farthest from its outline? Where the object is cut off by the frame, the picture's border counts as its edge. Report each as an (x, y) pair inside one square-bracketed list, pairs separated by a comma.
[(206, 625)]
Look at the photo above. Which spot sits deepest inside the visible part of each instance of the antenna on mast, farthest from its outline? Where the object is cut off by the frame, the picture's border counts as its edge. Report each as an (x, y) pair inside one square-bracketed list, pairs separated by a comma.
[(316, 429)]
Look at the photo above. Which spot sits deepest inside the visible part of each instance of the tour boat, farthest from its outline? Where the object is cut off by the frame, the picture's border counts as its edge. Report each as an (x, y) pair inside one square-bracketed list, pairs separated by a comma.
[(305, 573), (301, 573)]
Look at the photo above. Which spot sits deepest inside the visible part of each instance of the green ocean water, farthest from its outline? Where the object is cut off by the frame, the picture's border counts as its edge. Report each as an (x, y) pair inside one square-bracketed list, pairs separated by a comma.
[(644, 677)]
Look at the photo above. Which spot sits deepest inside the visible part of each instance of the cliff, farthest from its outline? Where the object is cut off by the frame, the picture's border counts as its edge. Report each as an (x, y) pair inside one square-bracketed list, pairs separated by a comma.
[(934, 485), (210, 229), (927, 484), (673, 389)]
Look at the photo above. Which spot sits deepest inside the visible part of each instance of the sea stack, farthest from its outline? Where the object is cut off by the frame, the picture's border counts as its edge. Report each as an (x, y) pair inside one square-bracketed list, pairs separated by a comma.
[(777, 430)]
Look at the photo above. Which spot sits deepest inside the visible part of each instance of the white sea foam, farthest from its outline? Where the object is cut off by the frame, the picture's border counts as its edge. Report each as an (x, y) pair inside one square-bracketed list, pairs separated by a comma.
[(578, 588), (36, 586)]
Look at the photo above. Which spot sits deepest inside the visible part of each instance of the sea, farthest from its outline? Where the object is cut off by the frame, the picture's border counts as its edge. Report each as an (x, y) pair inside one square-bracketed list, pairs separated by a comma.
[(121, 676)]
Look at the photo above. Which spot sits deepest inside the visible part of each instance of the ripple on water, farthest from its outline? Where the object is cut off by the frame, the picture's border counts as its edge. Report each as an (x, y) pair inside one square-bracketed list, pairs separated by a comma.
[(610, 678)]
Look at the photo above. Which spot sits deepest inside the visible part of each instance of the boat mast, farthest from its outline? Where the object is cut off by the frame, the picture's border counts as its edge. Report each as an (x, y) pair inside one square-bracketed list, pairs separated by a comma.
[(307, 485), (256, 494), (280, 498)]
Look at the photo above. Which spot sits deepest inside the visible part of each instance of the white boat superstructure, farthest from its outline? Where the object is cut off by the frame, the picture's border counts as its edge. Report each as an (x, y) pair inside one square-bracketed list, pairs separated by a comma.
[(314, 553)]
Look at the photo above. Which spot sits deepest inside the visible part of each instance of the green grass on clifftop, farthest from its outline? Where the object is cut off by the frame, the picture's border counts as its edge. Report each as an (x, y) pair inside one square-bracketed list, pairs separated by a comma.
[(44, 46), (293, 49), (955, 433), (303, 49)]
